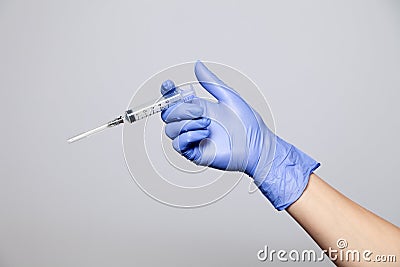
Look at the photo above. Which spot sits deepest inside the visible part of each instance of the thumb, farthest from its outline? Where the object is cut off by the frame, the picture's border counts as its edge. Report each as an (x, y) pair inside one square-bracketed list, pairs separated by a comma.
[(213, 84)]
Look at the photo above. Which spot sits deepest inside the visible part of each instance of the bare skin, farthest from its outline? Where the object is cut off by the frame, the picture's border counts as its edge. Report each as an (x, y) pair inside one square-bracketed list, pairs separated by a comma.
[(328, 216)]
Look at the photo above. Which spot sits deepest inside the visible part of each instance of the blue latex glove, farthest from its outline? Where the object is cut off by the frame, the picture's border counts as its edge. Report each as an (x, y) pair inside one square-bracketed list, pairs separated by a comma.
[(230, 135)]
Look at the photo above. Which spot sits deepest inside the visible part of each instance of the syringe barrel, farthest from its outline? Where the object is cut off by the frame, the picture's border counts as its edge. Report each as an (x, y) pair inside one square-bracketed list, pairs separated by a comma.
[(177, 96)]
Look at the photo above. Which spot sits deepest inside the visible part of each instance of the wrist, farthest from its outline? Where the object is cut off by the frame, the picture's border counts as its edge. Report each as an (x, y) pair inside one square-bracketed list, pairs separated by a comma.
[(283, 177)]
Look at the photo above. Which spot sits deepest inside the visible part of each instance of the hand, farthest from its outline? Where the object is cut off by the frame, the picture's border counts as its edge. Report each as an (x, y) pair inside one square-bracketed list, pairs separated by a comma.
[(230, 135), (224, 135)]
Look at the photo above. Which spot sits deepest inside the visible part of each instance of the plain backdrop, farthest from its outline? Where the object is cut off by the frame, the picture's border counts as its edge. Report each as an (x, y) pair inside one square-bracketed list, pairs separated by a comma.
[(330, 71)]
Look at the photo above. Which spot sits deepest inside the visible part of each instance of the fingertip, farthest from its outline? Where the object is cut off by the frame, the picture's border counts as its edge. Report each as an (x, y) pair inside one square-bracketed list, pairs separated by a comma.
[(167, 86), (201, 71), (199, 64), (205, 122), (204, 133), (175, 144), (164, 115), (208, 132), (211, 83)]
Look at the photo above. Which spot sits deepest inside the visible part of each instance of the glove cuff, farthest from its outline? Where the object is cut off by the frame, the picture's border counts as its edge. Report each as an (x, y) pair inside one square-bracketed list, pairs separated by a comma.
[(284, 179)]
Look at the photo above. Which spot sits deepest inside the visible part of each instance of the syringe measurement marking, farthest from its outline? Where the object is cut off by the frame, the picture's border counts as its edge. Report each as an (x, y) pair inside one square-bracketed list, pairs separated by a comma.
[(160, 106)]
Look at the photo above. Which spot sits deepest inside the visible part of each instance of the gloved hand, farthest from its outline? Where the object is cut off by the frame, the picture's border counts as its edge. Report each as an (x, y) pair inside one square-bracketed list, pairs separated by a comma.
[(230, 135)]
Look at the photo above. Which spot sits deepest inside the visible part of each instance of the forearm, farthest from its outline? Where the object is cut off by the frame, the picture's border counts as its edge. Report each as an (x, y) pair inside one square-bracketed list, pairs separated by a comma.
[(328, 216)]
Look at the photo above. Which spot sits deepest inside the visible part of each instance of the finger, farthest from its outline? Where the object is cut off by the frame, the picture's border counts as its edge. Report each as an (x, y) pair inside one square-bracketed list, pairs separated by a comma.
[(167, 87), (213, 84), (173, 129), (186, 140), (182, 111)]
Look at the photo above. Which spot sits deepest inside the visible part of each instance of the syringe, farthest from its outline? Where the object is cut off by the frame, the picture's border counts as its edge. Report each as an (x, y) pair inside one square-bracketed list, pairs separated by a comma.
[(134, 114)]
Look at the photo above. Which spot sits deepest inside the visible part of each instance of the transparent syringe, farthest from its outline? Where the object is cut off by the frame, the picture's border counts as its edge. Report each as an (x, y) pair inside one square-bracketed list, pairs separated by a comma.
[(134, 114)]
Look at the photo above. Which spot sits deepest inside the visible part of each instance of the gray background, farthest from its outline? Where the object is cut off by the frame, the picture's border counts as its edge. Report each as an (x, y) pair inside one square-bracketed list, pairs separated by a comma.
[(330, 71)]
